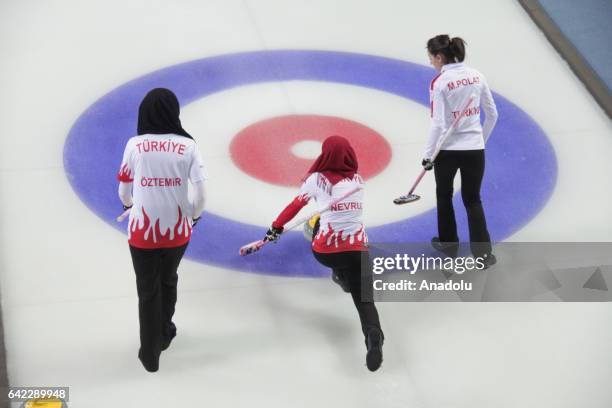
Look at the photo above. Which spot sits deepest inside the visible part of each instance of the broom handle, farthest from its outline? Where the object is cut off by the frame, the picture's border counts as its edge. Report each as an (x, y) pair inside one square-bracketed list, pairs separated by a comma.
[(441, 141)]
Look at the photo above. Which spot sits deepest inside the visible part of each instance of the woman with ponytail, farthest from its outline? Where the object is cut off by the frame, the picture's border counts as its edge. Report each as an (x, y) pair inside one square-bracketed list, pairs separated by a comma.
[(340, 243), (464, 150)]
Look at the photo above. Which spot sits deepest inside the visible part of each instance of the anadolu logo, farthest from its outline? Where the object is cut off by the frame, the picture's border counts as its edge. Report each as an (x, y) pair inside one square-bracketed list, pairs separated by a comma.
[(521, 165)]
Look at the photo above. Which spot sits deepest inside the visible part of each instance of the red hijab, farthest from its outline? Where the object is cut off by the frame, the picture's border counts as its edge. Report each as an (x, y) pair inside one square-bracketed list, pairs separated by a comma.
[(337, 160)]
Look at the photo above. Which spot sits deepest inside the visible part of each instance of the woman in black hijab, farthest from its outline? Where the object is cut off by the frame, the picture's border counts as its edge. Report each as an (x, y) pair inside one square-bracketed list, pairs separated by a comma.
[(162, 159), (159, 114)]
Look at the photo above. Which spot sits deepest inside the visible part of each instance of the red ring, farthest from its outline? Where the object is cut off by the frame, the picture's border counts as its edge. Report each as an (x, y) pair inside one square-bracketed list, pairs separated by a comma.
[(263, 149)]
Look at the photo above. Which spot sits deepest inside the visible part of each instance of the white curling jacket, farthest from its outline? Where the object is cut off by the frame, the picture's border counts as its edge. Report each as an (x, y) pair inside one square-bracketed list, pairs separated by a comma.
[(449, 92)]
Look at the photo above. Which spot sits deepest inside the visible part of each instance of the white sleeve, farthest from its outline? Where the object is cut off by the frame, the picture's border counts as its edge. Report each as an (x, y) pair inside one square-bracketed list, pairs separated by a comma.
[(437, 122), (199, 198), (309, 188), (196, 168), (126, 170), (125, 175), (125, 193), (488, 106)]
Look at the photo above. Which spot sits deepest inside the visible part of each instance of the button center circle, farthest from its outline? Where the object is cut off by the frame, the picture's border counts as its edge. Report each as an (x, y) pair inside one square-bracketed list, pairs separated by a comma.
[(280, 150)]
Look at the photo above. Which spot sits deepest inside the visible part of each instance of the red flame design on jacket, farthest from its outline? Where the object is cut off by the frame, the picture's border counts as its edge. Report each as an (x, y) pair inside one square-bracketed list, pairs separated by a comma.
[(331, 241), (125, 174), (150, 235)]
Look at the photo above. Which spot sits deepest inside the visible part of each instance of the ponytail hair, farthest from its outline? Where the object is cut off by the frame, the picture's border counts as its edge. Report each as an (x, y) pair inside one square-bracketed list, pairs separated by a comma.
[(452, 50), (457, 46)]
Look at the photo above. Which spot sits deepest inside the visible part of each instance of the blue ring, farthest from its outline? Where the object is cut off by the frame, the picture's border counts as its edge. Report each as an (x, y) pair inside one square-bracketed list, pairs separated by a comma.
[(521, 165)]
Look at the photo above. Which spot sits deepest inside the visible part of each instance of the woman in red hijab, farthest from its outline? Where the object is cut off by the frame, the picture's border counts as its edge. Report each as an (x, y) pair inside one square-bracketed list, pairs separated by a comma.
[(340, 238)]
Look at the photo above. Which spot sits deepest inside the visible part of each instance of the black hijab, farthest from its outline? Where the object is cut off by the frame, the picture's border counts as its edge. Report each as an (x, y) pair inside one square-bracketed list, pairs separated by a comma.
[(159, 114)]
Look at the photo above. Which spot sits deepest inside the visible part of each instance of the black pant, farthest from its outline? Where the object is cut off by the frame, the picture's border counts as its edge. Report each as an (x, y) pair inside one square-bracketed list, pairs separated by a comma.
[(156, 281), (471, 164), (347, 266)]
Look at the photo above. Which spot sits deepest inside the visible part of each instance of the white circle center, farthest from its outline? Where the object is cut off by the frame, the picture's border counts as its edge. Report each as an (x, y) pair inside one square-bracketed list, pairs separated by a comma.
[(307, 149)]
